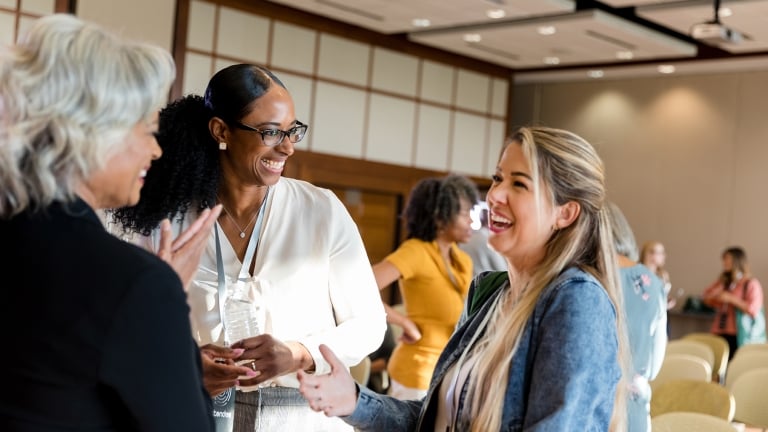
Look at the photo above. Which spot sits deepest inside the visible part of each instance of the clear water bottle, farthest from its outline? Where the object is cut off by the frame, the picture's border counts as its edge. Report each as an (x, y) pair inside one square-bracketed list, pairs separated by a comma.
[(241, 316)]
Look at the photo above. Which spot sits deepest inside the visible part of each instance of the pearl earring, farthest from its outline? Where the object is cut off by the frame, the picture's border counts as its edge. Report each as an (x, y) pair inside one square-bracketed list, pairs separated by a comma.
[(222, 145)]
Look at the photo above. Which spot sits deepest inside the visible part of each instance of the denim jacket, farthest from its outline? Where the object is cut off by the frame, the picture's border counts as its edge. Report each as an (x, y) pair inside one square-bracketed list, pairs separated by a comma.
[(563, 376)]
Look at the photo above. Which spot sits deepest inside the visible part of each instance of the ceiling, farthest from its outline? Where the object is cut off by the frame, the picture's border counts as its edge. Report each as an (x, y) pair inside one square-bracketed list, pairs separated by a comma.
[(567, 40)]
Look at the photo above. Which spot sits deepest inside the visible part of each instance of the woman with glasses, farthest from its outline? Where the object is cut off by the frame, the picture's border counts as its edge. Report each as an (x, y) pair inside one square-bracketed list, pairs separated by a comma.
[(288, 249)]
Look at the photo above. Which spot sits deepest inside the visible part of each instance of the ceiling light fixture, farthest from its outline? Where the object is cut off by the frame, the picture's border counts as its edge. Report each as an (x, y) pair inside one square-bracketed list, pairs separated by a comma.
[(472, 37), (596, 74), (496, 13), (724, 12), (551, 60), (666, 69), (421, 22), (625, 55), (546, 30)]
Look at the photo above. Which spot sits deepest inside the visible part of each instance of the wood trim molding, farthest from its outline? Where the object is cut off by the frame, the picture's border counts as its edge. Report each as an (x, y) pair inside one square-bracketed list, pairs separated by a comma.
[(181, 26), (340, 171)]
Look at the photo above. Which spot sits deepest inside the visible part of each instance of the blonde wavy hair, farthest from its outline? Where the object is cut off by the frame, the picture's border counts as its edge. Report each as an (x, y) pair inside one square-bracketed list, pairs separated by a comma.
[(569, 169), (70, 92)]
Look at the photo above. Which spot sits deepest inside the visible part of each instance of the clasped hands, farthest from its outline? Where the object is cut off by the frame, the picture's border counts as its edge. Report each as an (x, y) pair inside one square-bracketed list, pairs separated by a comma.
[(248, 362)]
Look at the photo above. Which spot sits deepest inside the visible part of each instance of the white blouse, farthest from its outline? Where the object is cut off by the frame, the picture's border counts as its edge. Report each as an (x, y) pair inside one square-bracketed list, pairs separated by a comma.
[(311, 272)]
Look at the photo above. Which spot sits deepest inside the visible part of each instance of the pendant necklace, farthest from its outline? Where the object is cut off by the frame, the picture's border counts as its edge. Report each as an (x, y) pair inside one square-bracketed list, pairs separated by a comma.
[(243, 230)]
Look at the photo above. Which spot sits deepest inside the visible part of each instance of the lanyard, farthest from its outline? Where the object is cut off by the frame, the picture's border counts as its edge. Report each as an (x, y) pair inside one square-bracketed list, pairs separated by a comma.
[(250, 252)]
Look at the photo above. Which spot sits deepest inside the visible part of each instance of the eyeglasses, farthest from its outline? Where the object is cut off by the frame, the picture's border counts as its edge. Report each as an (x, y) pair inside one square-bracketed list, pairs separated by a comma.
[(273, 137)]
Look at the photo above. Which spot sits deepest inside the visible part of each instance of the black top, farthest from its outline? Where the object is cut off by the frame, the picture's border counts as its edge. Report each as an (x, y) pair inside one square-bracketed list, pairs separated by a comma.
[(96, 331)]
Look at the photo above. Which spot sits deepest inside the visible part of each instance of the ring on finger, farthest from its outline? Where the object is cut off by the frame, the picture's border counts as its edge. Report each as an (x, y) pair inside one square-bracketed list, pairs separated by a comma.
[(253, 365)]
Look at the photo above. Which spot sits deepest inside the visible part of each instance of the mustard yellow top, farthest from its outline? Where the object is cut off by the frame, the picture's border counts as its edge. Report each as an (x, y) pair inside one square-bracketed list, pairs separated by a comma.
[(433, 301)]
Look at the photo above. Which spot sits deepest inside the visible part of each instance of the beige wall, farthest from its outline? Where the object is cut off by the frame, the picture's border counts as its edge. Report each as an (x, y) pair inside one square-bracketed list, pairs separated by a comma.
[(686, 159), (146, 20), (361, 101)]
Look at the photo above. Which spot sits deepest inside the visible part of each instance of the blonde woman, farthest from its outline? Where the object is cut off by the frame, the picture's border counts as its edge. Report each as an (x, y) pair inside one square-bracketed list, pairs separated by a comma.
[(654, 256), (538, 347)]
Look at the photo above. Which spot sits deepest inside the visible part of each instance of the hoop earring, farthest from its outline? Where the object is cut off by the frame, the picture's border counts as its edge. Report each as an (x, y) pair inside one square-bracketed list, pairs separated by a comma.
[(222, 145)]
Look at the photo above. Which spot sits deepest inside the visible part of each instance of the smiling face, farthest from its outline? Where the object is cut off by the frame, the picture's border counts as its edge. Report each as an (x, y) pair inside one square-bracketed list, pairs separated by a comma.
[(519, 229), (118, 183), (247, 158), (459, 229)]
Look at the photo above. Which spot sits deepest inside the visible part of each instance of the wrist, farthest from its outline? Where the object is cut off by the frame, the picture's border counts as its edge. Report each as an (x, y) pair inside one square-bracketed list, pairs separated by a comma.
[(302, 359)]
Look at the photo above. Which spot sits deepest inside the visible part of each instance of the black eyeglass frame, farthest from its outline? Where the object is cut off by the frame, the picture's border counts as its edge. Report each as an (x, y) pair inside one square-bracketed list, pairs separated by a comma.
[(262, 132)]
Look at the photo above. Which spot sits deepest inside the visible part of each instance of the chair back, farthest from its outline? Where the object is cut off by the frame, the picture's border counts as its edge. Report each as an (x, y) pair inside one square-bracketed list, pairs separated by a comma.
[(691, 347), (719, 347), (745, 362), (751, 394), (682, 366), (749, 348), (692, 396), (361, 372), (689, 421)]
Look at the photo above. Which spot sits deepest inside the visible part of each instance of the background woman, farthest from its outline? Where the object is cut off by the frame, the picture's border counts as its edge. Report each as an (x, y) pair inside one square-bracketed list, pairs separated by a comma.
[(736, 288), (434, 277), (646, 319), (286, 245), (538, 347), (99, 328), (654, 256)]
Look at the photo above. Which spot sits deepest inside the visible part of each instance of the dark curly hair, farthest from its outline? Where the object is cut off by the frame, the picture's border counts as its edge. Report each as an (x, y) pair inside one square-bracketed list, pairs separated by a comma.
[(188, 174), (436, 201)]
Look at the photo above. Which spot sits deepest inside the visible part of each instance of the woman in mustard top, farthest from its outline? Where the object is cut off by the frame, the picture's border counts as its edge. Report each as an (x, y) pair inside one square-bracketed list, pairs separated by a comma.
[(434, 277)]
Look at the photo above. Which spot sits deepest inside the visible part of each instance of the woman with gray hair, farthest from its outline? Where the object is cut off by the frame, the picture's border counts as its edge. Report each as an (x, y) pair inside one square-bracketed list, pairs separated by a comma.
[(100, 327), (646, 312)]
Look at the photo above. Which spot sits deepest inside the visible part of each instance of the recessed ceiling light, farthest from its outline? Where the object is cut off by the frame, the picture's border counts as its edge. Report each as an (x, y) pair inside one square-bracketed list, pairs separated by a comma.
[(625, 55), (666, 69), (421, 22), (472, 37), (551, 60), (496, 13), (546, 30), (724, 12), (596, 73)]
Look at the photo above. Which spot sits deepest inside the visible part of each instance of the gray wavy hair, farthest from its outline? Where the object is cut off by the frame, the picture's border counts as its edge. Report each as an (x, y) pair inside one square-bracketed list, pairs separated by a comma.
[(70, 92)]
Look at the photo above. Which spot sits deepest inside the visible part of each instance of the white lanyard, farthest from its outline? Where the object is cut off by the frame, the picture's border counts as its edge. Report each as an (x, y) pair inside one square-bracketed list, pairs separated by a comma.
[(250, 252)]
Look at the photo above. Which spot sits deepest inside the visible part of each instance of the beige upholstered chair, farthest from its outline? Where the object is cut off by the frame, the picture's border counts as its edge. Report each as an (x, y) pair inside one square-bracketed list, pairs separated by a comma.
[(689, 421), (743, 363), (750, 391), (692, 396), (682, 366), (719, 347), (746, 349), (361, 371), (691, 347)]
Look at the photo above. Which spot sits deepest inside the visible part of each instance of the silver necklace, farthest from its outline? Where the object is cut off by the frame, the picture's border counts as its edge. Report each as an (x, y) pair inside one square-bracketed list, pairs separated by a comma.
[(229, 215)]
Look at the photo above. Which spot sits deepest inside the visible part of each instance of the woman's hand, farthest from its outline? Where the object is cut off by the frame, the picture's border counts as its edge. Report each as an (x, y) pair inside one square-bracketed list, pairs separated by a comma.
[(335, 393), (272, 358), (411, 333), (219, 369), (183, 253)]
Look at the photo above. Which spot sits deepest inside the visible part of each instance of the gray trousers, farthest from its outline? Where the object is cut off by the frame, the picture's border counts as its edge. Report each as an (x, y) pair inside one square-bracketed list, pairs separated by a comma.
[(278, 409)]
